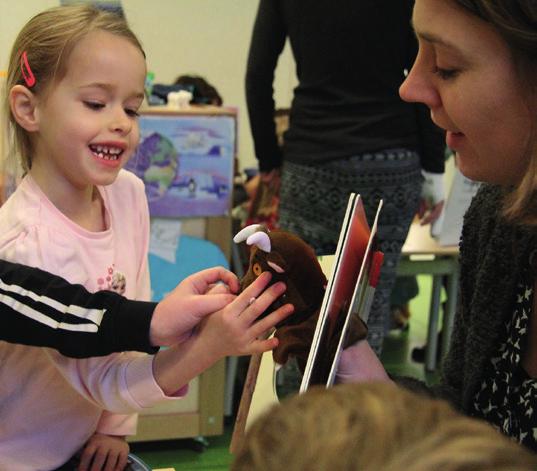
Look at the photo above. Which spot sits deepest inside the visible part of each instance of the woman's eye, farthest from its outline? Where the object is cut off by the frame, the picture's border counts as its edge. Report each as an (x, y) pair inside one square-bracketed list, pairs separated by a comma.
[(256, 268), (93, 105), (446, 74)]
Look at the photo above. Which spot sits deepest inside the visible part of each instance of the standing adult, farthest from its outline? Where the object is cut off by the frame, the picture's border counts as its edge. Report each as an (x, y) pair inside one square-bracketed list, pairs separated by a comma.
[(349, 130)]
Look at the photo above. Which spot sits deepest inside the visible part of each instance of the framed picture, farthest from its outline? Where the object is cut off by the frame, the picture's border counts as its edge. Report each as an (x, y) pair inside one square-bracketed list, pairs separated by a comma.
[(186, 162)]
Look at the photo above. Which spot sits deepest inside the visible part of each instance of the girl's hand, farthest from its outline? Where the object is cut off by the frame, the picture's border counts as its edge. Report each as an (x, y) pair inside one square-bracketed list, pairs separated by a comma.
[(233, 330), (195, 297), (104, 453)]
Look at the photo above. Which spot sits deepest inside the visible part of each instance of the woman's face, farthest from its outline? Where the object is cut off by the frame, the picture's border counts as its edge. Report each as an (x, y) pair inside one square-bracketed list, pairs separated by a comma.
[(465, 74)]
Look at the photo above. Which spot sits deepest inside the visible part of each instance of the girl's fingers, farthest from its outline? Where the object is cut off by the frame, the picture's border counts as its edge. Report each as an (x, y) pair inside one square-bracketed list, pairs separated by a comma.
[(258, 305), (85, 460), (112, 463), (270, 321), (99, 459), (262, 346), (122, 462), (252, 292)]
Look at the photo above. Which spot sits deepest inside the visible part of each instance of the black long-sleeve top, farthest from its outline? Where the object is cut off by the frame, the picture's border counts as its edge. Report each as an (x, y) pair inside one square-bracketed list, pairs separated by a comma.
[(350, 60), (41, 309)]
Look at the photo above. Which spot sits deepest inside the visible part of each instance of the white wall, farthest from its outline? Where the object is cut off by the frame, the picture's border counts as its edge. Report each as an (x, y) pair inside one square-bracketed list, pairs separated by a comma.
[(204, 37)]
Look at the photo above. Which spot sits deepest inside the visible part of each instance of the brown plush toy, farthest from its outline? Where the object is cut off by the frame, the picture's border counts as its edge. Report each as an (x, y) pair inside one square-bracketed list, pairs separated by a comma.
[(294, 262)]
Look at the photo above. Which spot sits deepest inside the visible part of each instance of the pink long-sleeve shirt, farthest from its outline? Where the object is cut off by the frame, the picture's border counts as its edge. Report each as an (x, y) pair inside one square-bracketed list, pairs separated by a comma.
[(50, 404)]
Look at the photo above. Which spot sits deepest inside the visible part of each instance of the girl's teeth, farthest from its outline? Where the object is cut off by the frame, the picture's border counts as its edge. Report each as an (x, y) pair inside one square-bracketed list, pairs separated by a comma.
[(107, 153), (106, 156)]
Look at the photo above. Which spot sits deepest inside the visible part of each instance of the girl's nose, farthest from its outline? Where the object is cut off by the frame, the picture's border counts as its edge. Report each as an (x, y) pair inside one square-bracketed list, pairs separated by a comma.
[(121, 123)]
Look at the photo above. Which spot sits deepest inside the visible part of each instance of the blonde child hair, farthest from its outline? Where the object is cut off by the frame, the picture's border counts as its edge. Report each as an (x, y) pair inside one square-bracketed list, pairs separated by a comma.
[(374, 426), (48, 39)]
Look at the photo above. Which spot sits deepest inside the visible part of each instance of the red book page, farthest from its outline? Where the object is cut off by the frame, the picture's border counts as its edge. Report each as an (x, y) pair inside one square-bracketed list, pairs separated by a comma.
[(349, 264)]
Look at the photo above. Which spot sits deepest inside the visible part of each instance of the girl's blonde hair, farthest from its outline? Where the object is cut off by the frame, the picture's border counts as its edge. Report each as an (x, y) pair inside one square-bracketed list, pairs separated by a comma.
[(516, 22), (375, 426), (48, 39)]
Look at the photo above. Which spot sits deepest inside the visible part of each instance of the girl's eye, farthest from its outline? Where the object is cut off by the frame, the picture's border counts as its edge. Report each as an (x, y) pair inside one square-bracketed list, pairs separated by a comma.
[(132, 113), (94, 105), (256, 268), (446, 74)]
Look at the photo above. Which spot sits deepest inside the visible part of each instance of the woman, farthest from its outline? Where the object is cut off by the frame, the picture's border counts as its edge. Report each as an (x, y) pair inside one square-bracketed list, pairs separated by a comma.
[(476, 70)]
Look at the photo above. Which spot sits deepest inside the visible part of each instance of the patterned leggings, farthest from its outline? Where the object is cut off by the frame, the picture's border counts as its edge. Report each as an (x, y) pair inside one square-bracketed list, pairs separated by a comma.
[(313, 199)]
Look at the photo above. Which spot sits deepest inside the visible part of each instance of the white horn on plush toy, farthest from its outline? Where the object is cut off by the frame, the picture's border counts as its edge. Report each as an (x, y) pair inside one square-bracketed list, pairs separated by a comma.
[(246, 232), (261, 240)]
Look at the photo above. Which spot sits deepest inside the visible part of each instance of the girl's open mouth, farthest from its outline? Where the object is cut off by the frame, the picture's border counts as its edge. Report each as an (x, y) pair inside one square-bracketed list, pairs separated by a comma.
[(106, 152)]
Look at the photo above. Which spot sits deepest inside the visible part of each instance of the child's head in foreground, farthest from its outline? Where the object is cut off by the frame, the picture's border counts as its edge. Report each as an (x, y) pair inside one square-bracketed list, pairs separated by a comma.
[(75, 83), (375, 426)]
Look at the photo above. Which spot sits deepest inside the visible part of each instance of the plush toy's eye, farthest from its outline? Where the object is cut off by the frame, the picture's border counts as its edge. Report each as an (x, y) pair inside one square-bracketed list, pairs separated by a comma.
[(257, 269)]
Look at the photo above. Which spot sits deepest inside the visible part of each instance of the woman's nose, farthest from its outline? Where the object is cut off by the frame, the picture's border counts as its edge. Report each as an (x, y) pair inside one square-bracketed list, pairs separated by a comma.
[(419, 88)]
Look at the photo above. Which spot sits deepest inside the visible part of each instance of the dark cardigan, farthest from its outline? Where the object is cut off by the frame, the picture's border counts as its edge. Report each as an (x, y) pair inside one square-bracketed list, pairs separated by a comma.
[(493, 257)]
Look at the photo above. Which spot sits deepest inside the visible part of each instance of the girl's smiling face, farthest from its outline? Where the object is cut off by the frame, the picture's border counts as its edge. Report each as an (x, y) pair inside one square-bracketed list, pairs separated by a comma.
[(466, 75), (88, 120)]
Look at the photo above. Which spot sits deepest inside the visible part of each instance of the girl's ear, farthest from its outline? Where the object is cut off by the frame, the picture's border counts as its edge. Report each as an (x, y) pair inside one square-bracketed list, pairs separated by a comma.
[(23, 107)]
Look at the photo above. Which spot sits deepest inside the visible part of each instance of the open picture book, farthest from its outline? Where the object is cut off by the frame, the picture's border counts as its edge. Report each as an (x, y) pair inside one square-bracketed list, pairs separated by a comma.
[(349, 292)]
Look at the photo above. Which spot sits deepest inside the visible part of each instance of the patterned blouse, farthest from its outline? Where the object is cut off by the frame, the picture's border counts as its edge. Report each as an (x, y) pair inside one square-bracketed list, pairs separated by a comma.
[(508, 396)]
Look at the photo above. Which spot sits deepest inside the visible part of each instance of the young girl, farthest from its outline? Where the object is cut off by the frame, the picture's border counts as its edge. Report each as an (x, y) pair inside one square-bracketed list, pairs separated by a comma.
[(75, 84), (476, 70)]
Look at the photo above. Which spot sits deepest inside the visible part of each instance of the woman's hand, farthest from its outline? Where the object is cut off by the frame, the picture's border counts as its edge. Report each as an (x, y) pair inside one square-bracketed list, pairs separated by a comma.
[(432, 197), (359, 363)]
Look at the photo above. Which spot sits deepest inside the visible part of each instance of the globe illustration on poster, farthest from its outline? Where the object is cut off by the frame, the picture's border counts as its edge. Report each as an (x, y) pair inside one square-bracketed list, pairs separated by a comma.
[(157, 162), (186, 163)]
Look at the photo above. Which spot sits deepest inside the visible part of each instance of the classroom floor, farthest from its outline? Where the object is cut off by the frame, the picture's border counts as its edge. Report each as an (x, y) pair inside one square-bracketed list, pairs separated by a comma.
[(185, 455)]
